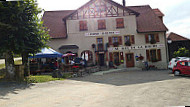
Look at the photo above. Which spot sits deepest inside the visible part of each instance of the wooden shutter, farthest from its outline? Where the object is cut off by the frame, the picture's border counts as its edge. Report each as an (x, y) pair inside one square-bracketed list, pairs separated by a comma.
[(159, 54), (103, 24), (80, 25), (146, 38), (157, 38), (148, 55), (85, 25), (110, 40), (111, 56), (121, 57), (132, 39), (120, 23), (120, 40)]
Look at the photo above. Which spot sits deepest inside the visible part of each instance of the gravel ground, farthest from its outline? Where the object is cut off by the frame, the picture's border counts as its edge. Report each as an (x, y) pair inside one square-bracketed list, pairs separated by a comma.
[(118, 89)]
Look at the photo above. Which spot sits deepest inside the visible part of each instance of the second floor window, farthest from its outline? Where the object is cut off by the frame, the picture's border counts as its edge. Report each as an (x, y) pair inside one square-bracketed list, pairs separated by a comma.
[(129, 39), (99, 40), (83, 25), (115, 41), (100, 44), (120, 23), (152, 38), (101, 24)]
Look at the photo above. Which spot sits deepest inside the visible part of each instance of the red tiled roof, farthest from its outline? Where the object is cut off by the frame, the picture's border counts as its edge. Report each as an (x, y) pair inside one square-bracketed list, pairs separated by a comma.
[(53, 21), (158, 12), (148, 21), (175, 37)]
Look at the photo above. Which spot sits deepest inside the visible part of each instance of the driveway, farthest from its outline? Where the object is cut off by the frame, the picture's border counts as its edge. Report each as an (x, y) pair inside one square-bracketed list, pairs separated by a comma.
[(118, 89)]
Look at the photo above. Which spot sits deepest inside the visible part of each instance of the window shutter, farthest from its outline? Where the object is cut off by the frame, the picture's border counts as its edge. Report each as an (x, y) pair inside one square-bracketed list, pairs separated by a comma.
[(85, 25), (110, 40), (159, 54), (120, 40), (157, 38), (146, 38), (111, 56), (132, 39), (147, 55), (104, 24), (80, 25)]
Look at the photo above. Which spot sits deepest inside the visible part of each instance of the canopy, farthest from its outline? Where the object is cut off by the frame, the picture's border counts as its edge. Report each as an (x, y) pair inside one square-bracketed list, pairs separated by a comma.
[(68, 54), (47, 53)]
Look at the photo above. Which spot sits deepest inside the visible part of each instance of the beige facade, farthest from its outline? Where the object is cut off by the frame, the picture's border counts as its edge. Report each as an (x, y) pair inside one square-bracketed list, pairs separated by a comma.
[(141, 27), (77, 37)]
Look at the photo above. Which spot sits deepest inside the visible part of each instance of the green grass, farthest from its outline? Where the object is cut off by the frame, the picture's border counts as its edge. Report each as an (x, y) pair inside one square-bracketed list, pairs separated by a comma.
[(16, 63), (41, 78)]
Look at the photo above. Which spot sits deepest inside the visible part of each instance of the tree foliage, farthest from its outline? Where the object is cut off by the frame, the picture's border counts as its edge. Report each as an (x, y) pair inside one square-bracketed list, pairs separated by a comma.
[(182, 52), (20, 27)]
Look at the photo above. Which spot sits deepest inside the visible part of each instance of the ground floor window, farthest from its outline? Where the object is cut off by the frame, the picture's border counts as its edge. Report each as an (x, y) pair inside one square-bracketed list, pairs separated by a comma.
[(153, 55), (87, 55), (116, 57)]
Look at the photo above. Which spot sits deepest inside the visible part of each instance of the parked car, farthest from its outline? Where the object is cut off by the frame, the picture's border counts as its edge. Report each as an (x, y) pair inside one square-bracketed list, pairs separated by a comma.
[(173, 61), (182, 68)]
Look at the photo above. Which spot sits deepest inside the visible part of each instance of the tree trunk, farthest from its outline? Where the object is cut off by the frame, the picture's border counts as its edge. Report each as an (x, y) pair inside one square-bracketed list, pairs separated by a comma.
[(10, 68), (25, 62)]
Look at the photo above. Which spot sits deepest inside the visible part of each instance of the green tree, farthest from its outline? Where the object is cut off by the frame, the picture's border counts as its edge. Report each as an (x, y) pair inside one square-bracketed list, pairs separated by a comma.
[(182, 52), (21, 31)]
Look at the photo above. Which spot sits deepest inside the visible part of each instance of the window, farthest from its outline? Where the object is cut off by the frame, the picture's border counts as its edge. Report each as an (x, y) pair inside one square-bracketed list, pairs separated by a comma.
[(100, 40), (100, 44), (83, 25), (153, 55), (115, 40), (180, 45), (101, 24), (152, 38), (120, 23), (129, 39), (87, 55)]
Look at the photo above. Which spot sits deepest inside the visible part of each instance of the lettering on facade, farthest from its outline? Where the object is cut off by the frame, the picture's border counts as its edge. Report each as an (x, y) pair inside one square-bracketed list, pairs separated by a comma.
[(136, 47), (102, 33)]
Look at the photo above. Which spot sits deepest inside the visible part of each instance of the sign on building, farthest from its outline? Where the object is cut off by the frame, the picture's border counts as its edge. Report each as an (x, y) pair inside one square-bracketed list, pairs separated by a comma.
[(122, 48), (102, 33)]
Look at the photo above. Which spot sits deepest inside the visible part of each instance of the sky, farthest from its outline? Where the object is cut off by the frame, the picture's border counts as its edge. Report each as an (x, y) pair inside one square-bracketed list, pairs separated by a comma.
[(176, 19)]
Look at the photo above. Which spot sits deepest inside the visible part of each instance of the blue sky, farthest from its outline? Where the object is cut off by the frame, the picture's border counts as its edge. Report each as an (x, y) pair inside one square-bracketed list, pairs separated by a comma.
[(177, 12)]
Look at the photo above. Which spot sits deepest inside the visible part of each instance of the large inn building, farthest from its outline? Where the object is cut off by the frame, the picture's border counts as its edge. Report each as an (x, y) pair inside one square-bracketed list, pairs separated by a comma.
[(102, 31)]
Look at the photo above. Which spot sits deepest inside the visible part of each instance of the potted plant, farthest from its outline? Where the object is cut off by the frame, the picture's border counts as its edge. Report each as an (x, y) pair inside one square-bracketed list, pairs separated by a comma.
[(141, 58), (152, 41), (93, 45), (128, 43), (115, 44)]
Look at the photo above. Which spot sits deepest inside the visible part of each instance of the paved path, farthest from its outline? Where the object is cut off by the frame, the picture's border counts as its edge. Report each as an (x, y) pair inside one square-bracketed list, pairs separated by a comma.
[(118, 89), (2, 61)]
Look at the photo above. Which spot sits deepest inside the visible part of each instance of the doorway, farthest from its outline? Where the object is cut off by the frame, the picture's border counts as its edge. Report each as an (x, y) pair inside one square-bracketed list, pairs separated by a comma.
[(101, 59), (129, 60)]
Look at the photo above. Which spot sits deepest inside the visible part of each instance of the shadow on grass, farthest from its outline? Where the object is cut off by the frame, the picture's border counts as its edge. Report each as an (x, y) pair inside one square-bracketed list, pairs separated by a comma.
[(121, 78)]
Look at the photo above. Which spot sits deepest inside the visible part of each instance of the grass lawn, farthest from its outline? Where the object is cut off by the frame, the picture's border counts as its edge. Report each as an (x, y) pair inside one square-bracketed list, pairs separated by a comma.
[(16, 63), (41, 78)]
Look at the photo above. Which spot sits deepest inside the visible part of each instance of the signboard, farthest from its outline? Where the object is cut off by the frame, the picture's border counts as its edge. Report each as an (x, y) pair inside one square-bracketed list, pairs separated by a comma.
[(102, 33), (135, 47)]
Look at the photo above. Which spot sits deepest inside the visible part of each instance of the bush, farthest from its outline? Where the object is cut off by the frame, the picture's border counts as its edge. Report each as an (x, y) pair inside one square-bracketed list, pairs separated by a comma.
[(182, 52)]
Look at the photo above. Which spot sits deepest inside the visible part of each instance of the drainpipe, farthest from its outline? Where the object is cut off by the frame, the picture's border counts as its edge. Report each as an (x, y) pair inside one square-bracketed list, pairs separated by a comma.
[(166, 45)]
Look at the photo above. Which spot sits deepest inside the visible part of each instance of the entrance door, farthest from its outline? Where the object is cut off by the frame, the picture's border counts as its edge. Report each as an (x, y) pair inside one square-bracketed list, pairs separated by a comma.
[(101, 59), (129, 59)]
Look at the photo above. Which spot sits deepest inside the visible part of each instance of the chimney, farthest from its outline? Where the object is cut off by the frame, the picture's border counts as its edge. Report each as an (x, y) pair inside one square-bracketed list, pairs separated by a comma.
[(123, 3)]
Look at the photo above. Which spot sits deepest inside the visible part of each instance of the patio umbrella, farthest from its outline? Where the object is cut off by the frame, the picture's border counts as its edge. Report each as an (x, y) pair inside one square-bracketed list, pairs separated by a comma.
[(68, 54)]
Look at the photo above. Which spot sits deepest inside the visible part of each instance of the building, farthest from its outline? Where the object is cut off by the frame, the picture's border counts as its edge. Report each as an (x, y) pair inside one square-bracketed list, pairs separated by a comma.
[(175, 42), (104, 31)]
